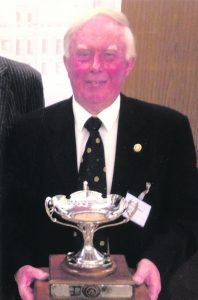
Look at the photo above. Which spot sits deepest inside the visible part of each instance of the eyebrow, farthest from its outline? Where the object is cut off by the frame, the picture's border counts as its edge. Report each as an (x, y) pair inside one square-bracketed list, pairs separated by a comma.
[(82, 46), (112, 47)]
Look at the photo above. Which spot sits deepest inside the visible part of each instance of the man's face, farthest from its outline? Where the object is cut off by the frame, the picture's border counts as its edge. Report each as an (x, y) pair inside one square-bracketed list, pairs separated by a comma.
[(97, 65)]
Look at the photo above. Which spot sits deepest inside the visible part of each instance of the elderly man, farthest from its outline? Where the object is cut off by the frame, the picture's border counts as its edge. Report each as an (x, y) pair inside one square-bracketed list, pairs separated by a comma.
[(142, 143)]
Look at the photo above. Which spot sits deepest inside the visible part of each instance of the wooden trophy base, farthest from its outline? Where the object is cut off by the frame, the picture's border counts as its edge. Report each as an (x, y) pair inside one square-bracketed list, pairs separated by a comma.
[(63, 285), (84, 272)]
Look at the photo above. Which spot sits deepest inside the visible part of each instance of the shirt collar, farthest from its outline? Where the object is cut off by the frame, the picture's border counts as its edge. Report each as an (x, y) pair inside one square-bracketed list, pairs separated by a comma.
[(108, 116)]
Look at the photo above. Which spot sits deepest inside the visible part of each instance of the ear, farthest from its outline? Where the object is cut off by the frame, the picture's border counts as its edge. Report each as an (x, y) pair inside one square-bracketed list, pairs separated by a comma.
[(130, 65), (66, 62)]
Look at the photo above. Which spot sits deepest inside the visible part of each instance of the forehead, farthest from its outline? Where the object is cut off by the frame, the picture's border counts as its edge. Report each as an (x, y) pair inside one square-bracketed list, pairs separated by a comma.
[(101, 31)]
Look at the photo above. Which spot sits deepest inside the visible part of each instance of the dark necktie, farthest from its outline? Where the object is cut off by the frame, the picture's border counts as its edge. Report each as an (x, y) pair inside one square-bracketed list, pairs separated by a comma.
[(92, 167)]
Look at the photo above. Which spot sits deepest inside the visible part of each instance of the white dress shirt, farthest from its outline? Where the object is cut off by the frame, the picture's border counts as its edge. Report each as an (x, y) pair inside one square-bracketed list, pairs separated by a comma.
[(108, 132)]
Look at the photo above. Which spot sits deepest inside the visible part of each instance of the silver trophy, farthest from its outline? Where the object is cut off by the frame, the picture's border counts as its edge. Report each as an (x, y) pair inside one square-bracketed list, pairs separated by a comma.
[(90, 273), (87, 211)]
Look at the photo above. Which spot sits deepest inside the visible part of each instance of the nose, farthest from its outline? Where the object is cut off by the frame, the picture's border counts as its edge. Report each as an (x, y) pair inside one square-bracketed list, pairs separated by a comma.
[(96, 63)]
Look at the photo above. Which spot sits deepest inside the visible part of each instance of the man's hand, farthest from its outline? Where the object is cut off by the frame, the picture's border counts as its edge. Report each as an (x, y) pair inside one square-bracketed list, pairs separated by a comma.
[(148, 274), (25, 277)]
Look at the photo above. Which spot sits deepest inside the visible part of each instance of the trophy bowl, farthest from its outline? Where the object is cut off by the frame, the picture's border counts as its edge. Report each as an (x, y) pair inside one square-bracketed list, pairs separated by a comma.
[(87, 211)]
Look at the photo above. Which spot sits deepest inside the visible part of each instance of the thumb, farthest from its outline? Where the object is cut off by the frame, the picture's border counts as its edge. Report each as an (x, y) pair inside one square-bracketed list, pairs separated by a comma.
[(138, 278), (141, 272), (38, 274)]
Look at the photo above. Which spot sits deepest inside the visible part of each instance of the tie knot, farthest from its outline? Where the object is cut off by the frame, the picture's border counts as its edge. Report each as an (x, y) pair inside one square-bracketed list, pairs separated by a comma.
[(93, 124)]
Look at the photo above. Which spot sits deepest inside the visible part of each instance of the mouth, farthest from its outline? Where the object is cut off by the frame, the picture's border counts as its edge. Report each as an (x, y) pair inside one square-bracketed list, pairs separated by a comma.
[(96, 83)]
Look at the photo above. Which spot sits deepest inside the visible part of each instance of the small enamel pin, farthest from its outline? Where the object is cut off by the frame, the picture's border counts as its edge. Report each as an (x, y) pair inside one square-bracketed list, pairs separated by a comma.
[(137, 147)]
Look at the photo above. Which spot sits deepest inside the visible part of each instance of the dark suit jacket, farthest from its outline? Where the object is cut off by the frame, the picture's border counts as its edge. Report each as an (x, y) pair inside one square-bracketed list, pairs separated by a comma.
[(42, 162), (21, 91)]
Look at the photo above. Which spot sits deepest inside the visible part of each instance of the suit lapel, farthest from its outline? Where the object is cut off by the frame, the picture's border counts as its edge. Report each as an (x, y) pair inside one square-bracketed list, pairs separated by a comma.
[(61, 140), (131, 167), (129, 173)]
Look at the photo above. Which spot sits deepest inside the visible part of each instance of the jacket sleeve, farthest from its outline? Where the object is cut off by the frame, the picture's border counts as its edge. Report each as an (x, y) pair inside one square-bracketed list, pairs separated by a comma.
[(178, 234), (16, 250)]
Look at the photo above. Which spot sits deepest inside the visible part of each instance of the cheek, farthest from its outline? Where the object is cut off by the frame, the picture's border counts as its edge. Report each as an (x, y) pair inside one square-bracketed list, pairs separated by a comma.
[(77, 75), (117, 73), (77, 68), (118, 68)]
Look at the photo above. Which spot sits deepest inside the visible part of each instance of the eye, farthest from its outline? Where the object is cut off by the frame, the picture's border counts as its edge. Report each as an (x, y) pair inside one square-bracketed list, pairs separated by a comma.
[(109, 55), (83, 54)]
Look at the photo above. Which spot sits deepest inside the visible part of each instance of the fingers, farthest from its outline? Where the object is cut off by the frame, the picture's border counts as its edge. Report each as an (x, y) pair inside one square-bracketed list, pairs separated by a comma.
[(147, 273), (37, 273), (25, 277), (26, 293)]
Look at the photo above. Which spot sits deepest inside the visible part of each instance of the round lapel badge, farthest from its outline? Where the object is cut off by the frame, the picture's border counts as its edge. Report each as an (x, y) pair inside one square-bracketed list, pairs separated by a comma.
[(137, 147)]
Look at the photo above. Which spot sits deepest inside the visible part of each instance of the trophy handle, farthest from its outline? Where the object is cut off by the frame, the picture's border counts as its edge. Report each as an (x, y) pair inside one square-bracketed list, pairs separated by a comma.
[(125, 220), (50, 209), (112, 224)]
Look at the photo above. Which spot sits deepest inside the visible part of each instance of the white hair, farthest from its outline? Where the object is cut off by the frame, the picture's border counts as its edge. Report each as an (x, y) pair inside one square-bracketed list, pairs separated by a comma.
[(118, 17)]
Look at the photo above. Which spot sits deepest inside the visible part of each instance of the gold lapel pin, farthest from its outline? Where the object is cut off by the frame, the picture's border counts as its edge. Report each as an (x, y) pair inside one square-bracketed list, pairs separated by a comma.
[(137, 147)]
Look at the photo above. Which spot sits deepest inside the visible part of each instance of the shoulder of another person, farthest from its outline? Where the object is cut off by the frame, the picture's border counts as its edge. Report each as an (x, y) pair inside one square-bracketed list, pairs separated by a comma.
[(3, 66), (19, 69)]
